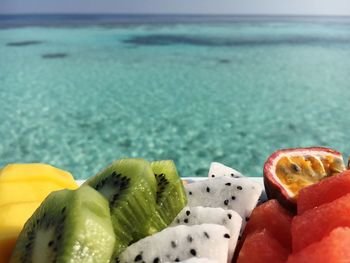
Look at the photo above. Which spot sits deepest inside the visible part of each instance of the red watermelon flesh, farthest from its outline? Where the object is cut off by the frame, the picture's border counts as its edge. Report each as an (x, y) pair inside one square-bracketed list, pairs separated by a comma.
[(261, 247), (275, 219), (331, 249), (318, 222), (323, 192)]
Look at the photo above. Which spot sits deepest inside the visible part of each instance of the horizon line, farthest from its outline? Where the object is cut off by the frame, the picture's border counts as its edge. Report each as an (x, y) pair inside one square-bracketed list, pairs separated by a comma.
[(179, 14)]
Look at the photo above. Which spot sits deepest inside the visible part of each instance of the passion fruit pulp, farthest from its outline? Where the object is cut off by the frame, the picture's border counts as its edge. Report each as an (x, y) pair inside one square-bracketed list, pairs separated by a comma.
[(287, 171)]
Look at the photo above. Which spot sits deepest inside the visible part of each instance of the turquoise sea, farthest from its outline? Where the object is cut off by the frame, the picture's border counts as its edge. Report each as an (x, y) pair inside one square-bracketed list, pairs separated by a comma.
[(80, 91)]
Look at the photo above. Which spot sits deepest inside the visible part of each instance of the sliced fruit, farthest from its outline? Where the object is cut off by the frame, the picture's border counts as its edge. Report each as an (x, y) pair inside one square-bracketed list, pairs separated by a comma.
[(35, 171), (207, 215), (180, 243), (22, 188), (275, 219), (287, 171), (261, 247), (316, 223), (6, 246), (32, 182), (324, 192), (69, 226), (331, 249), (218, 169), (238, 194), (198, 260), (29, 191), (12, 219), (130, 187), (171, 196)]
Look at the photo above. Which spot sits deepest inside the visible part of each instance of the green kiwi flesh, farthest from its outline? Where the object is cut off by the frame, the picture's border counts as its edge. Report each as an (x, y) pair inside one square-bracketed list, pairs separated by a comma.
[(69, 226), (130, 187), (171, 195)]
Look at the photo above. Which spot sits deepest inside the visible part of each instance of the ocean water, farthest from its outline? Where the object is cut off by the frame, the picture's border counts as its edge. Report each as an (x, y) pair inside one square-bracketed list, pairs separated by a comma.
[(81, 91)]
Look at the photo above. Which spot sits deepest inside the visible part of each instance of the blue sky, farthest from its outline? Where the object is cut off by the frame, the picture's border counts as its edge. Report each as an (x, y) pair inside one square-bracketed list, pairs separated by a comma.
[(300, 7)]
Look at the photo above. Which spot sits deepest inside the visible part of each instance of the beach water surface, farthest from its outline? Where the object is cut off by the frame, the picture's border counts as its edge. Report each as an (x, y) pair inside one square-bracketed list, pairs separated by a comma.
[(80, 92)]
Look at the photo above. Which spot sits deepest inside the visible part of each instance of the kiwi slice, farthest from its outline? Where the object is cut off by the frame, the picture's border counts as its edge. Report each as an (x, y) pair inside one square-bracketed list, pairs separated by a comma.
[(171, 195), (130, 187), (69, 226)]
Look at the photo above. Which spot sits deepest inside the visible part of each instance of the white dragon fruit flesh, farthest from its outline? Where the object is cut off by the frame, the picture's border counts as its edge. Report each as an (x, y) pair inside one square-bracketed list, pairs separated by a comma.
[(196, 260), (208, 215), (178, 243), (219, 169), (238, 194)]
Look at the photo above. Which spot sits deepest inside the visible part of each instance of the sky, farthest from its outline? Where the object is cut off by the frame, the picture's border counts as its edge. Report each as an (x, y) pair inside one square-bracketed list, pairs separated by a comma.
[(277, 7)]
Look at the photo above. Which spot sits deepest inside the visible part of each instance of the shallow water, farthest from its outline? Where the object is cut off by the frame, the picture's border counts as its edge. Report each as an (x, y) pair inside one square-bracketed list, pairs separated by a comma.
[(82, 92)]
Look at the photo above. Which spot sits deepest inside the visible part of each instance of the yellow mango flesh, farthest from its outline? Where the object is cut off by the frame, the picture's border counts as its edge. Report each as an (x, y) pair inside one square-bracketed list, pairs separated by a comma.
[(29, 191), (22, 189), (34, 171), (12, 219), (32, 182)]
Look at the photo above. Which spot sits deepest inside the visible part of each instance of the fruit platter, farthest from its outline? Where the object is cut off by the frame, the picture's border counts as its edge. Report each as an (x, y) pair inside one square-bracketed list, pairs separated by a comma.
[(144, 212)]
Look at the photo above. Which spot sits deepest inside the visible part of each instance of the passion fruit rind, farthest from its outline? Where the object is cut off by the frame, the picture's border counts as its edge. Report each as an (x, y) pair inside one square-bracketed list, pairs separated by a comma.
[(274, 191), (275, 188)]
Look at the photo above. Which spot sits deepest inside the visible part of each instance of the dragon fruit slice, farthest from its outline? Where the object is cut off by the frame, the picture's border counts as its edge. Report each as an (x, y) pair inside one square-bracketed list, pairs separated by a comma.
[(196, 260), (201, 215), (180, 243), (219, 169), (238, 194)]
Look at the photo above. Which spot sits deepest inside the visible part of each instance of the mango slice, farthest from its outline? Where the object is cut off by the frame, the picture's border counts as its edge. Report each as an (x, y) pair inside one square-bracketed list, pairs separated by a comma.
[(29, 191), (34, 171), (12, 219), (6, 247), (22, 189)]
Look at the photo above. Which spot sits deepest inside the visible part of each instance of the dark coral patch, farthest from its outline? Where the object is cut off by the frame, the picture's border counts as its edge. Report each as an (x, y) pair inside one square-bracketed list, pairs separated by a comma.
[(24, 43), (197, 40), (54, 55), (224, 61)]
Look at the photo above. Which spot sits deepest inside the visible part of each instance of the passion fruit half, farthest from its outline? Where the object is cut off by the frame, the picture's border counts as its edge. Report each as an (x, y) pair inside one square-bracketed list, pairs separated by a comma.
[(289, 170)]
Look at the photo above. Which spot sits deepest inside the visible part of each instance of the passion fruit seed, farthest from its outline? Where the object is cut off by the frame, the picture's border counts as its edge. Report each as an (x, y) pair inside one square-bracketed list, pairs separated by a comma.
[(287, 171), (296, 172)]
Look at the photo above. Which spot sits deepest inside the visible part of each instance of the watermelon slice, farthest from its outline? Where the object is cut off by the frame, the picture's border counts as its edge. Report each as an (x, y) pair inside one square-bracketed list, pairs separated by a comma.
[(323, 192), (261, 247), (275, 219), (331, 249), (314, 224)]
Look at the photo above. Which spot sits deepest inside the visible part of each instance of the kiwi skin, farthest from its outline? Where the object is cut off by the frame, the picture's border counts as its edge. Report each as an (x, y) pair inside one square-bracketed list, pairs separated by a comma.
[(69, 226)]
